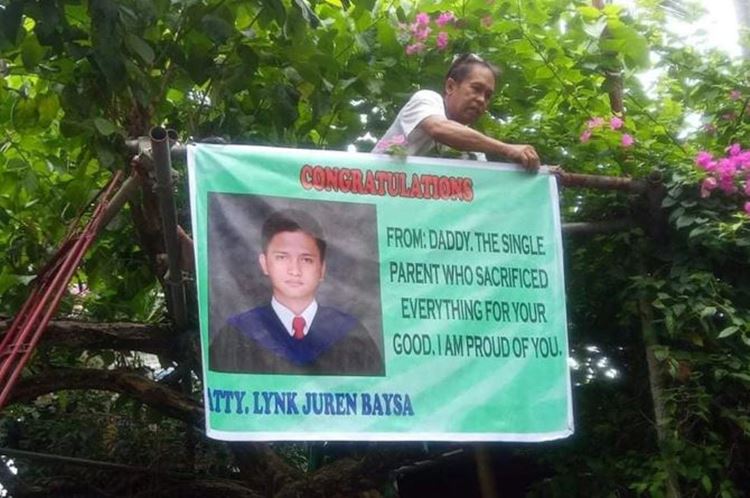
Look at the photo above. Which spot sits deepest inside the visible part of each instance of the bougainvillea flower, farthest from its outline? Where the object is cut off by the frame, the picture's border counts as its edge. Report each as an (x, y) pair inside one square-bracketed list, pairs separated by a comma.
[(615, 123), (414, 48), (703, 159), (442, 40), (445, 18), (420, 32), (627, 140), (709, 184), (585, 136), (422, 19)]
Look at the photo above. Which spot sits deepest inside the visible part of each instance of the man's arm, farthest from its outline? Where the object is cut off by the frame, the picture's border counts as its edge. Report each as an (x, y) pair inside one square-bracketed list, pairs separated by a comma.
[(458, 136)]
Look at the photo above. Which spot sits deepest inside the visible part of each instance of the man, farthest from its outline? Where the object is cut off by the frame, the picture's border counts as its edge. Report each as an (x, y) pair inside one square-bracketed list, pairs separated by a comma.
[(429, 119), (294, 334)]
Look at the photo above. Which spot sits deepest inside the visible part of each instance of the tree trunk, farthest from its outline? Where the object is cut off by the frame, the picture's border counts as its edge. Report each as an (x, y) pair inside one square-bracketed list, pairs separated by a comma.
[(657, 395)]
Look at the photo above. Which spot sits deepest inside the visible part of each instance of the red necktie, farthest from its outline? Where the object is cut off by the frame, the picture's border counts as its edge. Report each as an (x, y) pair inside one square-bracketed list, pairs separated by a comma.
[(298, 326)]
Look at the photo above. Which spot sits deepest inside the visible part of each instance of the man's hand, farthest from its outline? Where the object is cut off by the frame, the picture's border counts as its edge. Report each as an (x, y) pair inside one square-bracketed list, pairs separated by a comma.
[(461, 137), (523, 154)]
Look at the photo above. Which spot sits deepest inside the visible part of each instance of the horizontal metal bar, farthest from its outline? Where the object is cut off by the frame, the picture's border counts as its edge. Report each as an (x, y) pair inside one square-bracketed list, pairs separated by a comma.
[(596, 227), (176, 151), (600, 182), (574, 180)]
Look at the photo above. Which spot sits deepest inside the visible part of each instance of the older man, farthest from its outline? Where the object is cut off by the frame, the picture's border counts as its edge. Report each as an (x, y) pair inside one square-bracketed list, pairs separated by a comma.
[(429, 119)]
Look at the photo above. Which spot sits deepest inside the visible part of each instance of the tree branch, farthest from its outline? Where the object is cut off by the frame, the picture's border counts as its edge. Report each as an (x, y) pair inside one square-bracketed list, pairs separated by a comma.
[(120, 336), (163, 399)]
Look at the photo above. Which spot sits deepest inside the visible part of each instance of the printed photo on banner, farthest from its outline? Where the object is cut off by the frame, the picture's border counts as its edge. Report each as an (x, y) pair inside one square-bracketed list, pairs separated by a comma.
[(294, 287)]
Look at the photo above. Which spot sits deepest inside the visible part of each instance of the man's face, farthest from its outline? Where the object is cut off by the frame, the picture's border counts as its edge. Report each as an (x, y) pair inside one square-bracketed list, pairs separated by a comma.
[(292, 261), (467, 100)]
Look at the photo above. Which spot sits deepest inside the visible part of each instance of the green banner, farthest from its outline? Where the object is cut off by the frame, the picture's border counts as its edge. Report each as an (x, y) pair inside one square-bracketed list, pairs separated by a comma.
[(347, 296)]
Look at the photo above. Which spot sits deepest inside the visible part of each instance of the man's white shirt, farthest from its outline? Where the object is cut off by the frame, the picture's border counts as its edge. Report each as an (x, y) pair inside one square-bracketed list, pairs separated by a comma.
[(421, 105), (286, 315)]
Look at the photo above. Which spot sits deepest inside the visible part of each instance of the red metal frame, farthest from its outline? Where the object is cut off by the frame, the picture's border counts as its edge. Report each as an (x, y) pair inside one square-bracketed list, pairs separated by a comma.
[(30, 322)]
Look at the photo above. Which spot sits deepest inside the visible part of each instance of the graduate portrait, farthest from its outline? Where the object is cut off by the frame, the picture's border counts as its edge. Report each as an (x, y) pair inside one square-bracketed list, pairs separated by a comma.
[(293, 287)]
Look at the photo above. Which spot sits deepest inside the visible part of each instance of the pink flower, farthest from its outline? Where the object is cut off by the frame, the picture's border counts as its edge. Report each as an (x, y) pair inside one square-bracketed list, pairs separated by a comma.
[(726, 184), (420, 32), (703, 159), (422, 19), (747, 188), (386, 143), (445, 18), (708, 185), (586, 136), (747, 208), (414, 48), (595, 122), (487, 21), (729, 116), (442, 40), (615, 123), (735, 95), (398, 140), (734, 149), (627, 140)]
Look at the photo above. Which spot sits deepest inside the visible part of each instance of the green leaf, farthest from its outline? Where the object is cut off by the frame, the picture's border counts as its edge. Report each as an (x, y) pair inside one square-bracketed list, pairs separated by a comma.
[(684, 221), (218, 29), (708, 311), (732, 329), (139, 46), (590, 13), (307, 13), (7, 281), (107, 41), (25, 114), (104, 126), (48, 107), (741, 376), (31, 52), (10, 21), (276, 9)]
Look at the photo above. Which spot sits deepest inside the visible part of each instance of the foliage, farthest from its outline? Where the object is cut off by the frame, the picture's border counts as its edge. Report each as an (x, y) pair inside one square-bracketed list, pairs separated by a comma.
[(79, 77)]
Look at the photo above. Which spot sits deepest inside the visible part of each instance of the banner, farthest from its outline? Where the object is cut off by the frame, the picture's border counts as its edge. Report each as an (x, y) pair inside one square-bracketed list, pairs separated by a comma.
[(347, 296)]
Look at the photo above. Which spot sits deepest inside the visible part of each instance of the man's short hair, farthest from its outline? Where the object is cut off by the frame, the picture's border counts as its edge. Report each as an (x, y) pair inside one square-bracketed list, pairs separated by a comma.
[(462, 65), (293, 220)]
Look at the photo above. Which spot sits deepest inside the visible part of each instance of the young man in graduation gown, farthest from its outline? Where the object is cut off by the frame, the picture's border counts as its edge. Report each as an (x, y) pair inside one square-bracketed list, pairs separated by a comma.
[(294, 334)]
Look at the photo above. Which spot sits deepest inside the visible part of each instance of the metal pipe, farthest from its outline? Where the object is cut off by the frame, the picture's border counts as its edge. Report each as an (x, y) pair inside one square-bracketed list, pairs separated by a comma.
[(571, 180), (601, 182), (28, 329), (163, 169), (596, 227), (114, 206), (177, 151), (7, 341), (56, 290)]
